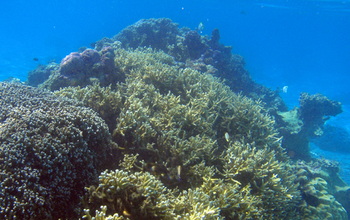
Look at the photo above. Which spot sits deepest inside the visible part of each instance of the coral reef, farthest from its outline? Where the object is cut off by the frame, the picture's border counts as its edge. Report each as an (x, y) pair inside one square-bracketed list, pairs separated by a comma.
[(257, 188), (300, 124), (315, 110), (333, 138), (81, 69), (162, 100), (189, 48), (158, 33), (322, 190), (177, 118), (195, 136), (50, 147), (41, 73), (103, 100), (270, 181)]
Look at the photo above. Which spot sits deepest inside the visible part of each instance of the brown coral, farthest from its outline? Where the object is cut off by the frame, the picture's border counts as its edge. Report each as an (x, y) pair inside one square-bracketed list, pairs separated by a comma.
[(50, 147)]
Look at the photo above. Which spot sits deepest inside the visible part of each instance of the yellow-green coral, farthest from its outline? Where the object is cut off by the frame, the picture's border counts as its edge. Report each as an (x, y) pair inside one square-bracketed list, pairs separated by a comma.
[(142, 195), (270, 180), (104, 100), (192, 133), (101, 215)]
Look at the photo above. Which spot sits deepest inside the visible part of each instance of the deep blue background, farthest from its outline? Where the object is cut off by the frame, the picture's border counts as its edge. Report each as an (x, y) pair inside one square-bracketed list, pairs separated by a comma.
[(302, 44)]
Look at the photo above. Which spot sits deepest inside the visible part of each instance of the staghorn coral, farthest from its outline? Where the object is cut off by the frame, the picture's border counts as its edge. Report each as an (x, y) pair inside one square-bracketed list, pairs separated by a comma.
[(269, 180), (50, 147), (101, 99), (175, 117), (139, 195), (101, 215), (173, 128)]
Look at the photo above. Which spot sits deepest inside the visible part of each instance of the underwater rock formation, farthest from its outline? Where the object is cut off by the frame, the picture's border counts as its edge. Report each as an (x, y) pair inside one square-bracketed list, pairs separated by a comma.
[(50, 148)]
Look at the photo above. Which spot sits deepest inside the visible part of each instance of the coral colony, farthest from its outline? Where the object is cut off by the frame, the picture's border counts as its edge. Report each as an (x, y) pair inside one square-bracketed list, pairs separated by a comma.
[(160, 122)]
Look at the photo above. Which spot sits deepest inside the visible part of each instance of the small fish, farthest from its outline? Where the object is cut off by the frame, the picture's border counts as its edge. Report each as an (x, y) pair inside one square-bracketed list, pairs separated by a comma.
[(153, 168), (35, 59), (179, 172), (200, 27), (243, 13), (227, 137), (285, 89)]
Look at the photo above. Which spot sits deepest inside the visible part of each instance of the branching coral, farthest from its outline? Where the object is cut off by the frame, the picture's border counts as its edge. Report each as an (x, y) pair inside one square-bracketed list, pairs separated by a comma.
[(269, 180), (193, 149), (101, 99), (175, 118)]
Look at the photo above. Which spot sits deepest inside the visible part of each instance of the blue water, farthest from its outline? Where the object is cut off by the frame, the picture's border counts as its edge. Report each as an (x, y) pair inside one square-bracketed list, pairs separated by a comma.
[(302, 44)]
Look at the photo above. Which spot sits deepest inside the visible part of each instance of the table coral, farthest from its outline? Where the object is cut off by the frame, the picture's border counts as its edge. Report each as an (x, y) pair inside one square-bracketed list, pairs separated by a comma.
[(50, 147), (300, 124)]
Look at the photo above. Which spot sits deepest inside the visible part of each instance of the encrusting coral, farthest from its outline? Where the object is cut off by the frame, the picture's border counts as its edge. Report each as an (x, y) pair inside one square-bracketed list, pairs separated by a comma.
[(49, 148), (322, 189)]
